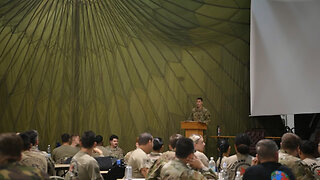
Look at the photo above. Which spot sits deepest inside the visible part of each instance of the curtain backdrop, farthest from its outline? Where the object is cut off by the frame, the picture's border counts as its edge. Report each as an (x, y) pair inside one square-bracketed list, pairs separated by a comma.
[(122, 67)]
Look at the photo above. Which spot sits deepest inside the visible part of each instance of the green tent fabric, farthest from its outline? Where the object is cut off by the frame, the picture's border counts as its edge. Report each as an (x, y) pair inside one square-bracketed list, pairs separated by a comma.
[(123, 67)]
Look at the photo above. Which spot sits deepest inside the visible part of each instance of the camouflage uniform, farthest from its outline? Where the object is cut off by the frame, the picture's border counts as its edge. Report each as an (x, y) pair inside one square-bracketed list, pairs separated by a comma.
[(154, 171), (104, 152), (139, 160), (33, 159), (84, 167), (15, 171), (200, 114), (314, 166), (62, 153), (154, 156), (176, 169), (114, 152), (202, 157), (127, 156), (300, 170), (50, 162), (237, 162)]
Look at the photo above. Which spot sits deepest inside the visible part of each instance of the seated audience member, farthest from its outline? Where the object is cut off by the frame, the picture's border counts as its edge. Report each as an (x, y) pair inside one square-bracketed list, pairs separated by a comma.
[(241, 160), (154, 171), (65, 151), (178, 169), (32, 158), (75, 141), (224, 152), (139, 159), (127, 156), (113, 149), (288, 156), (267, 166), (34, 139), (156, 150), (307, 151), (99, 141), (11, 146), (199, 147), (83, 166)]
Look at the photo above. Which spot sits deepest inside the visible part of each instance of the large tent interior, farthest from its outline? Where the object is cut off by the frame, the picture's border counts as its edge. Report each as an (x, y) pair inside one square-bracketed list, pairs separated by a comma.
[(127, 67)]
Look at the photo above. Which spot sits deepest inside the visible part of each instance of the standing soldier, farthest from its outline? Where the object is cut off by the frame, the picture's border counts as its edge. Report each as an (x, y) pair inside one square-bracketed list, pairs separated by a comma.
[(200, 113)]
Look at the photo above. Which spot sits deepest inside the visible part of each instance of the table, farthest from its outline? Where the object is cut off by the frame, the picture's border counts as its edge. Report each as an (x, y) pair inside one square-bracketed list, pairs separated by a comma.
[(61, 167)]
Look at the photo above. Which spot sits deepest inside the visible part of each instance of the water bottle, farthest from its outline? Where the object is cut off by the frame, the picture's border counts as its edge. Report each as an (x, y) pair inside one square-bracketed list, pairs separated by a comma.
[(238, 176), (128, 172), (49, 150), (212, 164), (224, 173)]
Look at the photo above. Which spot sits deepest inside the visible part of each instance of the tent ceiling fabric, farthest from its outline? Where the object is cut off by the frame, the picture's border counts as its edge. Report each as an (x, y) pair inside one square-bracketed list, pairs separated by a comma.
[(122, 67)]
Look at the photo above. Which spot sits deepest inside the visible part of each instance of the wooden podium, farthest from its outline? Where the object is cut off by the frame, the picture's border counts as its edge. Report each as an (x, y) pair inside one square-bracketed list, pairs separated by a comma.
[(193, 127)]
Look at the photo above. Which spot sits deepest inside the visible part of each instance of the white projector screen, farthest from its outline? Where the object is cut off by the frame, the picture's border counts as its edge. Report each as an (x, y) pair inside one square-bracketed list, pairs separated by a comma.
[(285, 57)]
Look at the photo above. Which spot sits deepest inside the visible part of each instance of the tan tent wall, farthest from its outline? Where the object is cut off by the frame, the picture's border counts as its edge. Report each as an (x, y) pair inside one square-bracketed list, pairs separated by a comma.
[(123, 67)]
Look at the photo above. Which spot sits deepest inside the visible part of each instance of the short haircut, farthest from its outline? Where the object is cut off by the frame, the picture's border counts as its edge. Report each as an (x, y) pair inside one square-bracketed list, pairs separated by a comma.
[(113, 137), (223, 145), (200, 98), (266, 148), (195, 138), (144, 138), (99, 139), (65, 137), (157, 143), (242, 143), (33, 135), (184, 147), (73, 136), (26, 141), (308, 147), (290, 141), (10, 146), (173, 140), (88, 139)]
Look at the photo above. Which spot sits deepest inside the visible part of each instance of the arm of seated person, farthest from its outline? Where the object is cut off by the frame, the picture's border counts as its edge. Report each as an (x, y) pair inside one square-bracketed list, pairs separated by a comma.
[(144, 171)]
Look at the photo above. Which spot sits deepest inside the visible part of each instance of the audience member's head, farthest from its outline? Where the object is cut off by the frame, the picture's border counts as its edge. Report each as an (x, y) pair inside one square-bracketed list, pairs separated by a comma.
[(145, 142), (242, 143), (10, 148), (88, 139), (75, 140), (198, 142), (307, 149), (173, 141), (65, 138), (34, 137), (99, 140), (26, 141), (114, 141), (224, 147), (157, 144), (267, 151), (290, 143), (184, 148)]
